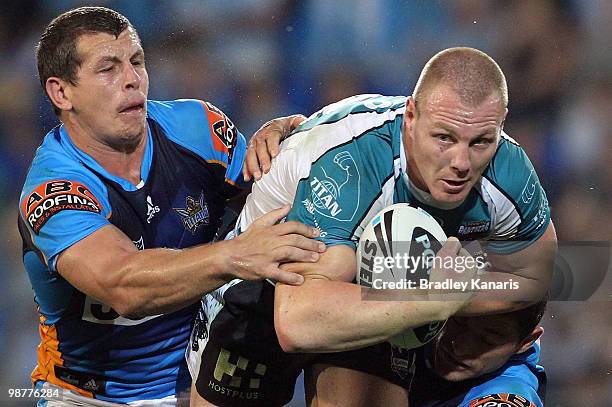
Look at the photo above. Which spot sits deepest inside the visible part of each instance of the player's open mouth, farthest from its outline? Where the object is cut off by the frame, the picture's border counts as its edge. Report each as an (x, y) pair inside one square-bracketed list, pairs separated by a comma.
[(454, 185), (137, 107)]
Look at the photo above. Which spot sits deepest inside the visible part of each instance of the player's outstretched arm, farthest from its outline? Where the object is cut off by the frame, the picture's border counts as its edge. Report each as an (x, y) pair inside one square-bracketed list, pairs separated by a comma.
[(530, 268), (328, 314), (264, 145), (107, 266)]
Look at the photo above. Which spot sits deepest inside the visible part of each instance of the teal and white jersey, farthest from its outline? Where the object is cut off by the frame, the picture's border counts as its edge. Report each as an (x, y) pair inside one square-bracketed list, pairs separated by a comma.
[(346, 162)]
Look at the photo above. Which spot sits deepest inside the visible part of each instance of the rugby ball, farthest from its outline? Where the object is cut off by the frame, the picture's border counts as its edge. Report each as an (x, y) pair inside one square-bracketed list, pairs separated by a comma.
[(396, 251)]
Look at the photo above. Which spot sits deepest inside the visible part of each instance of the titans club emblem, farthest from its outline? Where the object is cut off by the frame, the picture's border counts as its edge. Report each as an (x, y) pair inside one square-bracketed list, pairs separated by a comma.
[(195, 214)]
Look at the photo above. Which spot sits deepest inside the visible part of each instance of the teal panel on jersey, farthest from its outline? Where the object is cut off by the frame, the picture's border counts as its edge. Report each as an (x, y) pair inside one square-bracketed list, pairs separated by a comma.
[(512, 173), (343, 184)]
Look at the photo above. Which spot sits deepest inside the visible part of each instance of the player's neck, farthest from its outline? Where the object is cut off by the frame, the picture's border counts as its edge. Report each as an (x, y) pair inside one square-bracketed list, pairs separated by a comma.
[(123, 164)]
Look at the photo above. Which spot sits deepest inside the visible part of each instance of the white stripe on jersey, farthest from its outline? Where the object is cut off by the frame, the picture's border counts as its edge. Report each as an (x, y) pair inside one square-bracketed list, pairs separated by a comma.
[(384, 199), (297, 154), (504, 216), (510, 139)]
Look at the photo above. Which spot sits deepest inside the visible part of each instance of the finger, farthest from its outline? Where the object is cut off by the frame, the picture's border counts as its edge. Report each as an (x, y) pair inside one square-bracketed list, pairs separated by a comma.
[(285, 277), (263, 157), (302, 242), (273, 142), (288, 254), (296, 120), (273, 217), (450, 248), (251, 164), (291, 227)]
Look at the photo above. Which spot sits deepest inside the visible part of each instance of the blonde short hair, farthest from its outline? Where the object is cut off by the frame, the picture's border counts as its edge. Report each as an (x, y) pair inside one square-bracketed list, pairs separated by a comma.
[(471, 74)]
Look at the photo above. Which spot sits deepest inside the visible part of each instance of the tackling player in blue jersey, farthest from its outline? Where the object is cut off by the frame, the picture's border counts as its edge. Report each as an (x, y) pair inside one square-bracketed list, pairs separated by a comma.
[(442, 149), (482, 361), (115, 214)]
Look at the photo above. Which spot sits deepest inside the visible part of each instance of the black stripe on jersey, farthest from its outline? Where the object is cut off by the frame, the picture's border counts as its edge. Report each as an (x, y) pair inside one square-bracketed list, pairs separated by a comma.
[(26, 240), (507, 196), (372, 203)]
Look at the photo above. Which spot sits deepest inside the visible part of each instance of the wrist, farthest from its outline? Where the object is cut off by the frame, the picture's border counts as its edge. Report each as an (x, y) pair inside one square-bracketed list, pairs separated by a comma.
[(224, 259)]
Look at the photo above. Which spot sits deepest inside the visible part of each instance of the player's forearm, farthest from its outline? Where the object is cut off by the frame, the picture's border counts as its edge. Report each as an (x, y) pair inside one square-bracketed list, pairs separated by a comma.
[(331, 316), (516, 280), (156, 281), (501, 292)]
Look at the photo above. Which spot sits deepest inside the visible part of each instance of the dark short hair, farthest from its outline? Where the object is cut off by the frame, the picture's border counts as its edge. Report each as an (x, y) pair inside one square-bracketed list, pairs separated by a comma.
[(56, 52), (527, 319)]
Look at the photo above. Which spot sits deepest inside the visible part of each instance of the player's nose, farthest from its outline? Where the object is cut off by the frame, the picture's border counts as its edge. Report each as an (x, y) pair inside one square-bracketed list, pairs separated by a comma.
[(132, 77), (460, 160)]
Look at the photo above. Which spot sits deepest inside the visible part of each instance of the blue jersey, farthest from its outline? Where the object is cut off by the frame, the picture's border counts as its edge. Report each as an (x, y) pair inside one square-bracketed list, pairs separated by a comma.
[(193, 158), (520, 382), (351, 164)]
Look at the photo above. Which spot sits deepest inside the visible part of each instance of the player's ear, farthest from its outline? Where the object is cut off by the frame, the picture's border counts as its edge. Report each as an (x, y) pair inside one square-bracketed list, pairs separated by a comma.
[(410, 107), (504, 118), (409, 115), (530, 339), (58, 92)]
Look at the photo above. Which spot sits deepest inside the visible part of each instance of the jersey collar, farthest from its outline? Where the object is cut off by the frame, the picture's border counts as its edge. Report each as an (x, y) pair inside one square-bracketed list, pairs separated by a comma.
[(89, 162)]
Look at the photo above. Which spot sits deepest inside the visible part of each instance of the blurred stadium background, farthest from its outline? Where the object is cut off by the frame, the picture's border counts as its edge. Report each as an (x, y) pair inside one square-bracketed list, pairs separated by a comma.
[(258, 59)]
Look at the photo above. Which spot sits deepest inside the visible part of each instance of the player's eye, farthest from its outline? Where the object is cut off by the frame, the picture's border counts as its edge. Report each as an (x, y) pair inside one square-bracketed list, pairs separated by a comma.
[(107, 69), (482, 142), (445, 138)]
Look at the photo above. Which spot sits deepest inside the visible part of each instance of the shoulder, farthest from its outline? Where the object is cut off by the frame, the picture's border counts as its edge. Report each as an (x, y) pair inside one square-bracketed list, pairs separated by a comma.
[(365, 124), (515, 197), (515, 384), (198, 126), (511, 171), (370, 109), (56, 181), (53, 162)]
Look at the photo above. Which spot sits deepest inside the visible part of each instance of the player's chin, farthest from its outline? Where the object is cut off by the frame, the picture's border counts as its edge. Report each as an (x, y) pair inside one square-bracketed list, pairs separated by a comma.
[(458, 375)]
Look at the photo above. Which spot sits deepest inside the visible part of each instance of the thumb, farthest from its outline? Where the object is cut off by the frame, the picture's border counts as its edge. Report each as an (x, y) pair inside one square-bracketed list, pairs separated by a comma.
[(274, 216)]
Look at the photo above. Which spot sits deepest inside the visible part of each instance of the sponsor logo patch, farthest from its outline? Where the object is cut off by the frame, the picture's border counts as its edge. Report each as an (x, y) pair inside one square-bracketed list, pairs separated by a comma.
[(195, 214), (501, 400), (472, 228), (224, 133), (530, 188), (326, 189), (86, 381), (402, 362), (237, 377), (55, 196)]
